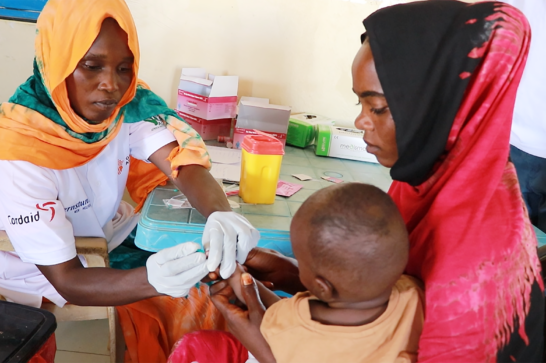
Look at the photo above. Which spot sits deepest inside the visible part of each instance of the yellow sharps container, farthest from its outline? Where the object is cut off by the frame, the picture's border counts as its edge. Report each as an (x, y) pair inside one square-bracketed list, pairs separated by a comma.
[(260, 168)]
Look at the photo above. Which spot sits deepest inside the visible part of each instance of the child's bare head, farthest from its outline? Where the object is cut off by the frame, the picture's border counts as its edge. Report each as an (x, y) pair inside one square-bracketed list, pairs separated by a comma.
[(349, 239)]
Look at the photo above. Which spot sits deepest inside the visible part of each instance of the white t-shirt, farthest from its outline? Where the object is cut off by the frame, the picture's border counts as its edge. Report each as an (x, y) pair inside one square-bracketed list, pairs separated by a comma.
[(43, 209), (529, 124)]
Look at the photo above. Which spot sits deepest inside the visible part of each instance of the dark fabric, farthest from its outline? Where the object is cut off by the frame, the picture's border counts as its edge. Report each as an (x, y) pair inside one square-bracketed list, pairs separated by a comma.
[(531, 172), (517, 350), (420, 52), (127, 255)]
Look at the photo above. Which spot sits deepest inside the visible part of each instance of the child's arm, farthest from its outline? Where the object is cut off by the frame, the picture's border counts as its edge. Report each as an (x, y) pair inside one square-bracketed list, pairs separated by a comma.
[(267, 296), (245, 325)]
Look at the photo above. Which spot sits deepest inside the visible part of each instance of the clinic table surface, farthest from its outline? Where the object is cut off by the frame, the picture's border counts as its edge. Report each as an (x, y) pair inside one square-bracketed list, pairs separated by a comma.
[(275, 218), (272, 220)]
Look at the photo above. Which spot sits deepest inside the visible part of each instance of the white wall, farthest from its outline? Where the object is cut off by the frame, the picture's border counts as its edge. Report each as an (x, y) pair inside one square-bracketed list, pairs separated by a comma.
[(16, 55), (294, 52)]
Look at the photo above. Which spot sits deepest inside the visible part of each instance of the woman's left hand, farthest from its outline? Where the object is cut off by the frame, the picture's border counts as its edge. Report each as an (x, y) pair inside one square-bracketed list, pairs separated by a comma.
[(228, 237)]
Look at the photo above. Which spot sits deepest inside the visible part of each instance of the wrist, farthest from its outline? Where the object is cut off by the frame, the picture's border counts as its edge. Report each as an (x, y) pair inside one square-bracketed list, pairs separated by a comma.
[(147, 289)]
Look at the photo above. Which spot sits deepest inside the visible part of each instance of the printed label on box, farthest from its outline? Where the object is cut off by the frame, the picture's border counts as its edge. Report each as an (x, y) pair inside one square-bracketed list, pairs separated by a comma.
[(208, 98), (340, 142)]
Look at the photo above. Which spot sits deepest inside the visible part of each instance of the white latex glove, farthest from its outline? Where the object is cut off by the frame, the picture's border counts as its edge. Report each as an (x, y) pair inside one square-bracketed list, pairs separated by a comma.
[(175, 270), (228, 237)]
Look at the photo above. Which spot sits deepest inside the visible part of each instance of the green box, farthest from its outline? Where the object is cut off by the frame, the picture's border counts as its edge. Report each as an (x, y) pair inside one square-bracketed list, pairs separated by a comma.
[(324, 134), (302, 128), (300, 133)]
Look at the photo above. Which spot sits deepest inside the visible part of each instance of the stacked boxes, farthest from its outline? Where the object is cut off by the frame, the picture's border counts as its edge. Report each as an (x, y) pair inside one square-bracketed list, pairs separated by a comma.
[(208, 104)]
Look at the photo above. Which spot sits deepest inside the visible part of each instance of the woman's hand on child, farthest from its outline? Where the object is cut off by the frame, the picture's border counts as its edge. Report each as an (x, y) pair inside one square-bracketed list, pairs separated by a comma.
[(229, 237), (244, 324), (279, 270), (215, 276)]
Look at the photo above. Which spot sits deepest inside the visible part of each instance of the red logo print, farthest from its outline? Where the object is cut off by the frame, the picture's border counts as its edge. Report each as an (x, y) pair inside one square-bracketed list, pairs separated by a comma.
[(43, 207), (120, 166)]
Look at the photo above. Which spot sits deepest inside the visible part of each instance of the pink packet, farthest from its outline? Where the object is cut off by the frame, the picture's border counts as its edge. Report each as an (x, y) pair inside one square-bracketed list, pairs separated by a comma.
[(285, 189)]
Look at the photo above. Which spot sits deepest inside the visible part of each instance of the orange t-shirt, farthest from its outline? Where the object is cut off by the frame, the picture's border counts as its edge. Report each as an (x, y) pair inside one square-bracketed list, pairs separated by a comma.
[(393, 337)]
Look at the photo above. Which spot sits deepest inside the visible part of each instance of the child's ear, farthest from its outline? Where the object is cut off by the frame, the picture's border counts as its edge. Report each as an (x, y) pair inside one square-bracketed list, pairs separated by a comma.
[(325, 290)]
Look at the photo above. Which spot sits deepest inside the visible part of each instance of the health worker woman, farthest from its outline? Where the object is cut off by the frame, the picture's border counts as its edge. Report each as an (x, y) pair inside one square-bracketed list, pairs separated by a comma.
[(79, 131)]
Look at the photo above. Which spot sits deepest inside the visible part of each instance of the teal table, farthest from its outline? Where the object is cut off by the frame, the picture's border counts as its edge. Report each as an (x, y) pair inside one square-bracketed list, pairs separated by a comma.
[(277, 216), (161, 227)]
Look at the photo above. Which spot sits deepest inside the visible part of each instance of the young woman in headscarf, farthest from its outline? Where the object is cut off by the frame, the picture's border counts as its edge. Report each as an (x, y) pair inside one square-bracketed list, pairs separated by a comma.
[(437, 82), (440, 118), (72, 137)]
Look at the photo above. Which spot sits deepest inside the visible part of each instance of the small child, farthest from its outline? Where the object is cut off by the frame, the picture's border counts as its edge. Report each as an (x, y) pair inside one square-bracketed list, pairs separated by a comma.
[(352, 247)]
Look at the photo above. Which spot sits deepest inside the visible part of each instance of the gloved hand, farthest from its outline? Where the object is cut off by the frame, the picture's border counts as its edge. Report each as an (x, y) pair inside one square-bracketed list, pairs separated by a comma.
[(229, 237), (175, 270)]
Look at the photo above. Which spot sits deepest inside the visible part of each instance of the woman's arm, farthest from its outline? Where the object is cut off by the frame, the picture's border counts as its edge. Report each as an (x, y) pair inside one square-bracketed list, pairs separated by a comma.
[(98, 286), (195, 182), (272, 266), (172, 271)]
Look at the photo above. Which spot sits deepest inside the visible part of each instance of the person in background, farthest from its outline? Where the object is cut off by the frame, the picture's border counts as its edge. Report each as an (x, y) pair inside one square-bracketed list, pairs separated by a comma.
[(528, 137), (351, 245), (437, 82), (81, 129)]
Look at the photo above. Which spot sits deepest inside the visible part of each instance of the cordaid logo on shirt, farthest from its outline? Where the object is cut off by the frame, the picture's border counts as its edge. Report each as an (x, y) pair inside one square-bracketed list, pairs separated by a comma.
[(33, 217), (24, 220)]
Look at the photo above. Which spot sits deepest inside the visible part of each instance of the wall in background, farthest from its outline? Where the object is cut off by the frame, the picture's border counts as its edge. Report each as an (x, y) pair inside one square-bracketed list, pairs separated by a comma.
[(16, 55), (296, 53)]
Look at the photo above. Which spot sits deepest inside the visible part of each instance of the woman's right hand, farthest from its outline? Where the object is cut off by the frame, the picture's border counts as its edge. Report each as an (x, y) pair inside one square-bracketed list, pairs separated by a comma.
[(175, 270), (271, 266)]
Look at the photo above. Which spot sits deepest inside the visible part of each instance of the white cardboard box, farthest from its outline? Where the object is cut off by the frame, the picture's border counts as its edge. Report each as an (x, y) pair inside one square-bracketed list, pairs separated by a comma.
[(259, 114), (342, 142), (207, 98)]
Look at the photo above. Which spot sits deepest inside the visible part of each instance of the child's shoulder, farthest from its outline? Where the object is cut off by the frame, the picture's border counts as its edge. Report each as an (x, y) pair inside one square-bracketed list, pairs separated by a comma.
[(286, 313), (289, 305)]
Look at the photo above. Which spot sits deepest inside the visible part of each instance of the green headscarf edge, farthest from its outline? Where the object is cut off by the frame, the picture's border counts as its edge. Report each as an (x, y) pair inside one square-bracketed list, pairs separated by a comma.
[(144, 106)]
